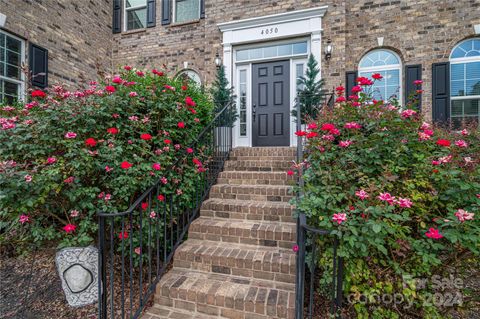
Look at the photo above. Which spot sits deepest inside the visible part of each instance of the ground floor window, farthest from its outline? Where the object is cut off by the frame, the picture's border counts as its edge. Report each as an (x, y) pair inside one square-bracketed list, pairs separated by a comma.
[(465, 83), (11, 77)]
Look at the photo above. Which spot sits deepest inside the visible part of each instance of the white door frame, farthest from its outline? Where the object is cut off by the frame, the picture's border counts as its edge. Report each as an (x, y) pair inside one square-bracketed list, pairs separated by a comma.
[(294, 24)]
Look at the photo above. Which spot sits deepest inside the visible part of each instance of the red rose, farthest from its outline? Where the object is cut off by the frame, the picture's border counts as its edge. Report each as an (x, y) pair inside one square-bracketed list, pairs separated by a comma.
[(189, 101), (117, 80), (327, 127), (290, 173), (127, 67), (110, 88), (161, 198), (90, 142), (144, 206), (445, 143), (123, 235), (377, 76), (181, 125), (184, 87), (146, 137), (69, 228), (38, 93), (112, 130), (140, 73), (167, 141), (312, 134), (126, 165), (300, 133)]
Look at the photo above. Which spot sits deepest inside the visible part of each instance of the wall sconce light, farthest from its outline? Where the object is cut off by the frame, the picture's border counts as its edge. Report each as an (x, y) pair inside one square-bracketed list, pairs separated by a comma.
[(218, 60), (328, 50), (3, 19)]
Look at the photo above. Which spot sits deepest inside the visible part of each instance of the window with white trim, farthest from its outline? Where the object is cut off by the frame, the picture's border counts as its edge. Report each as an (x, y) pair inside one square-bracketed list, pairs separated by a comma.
[(465, 83), (12, 53), (186, 10), (192, 75), (135, 14), (387, 64)]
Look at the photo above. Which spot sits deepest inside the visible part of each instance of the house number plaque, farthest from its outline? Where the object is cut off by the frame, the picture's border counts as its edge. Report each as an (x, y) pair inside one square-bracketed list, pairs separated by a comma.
[(268, 31)]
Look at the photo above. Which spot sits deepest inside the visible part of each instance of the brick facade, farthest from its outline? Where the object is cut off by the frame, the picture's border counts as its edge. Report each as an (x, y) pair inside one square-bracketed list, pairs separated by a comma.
[(420, 31), (77, 34)]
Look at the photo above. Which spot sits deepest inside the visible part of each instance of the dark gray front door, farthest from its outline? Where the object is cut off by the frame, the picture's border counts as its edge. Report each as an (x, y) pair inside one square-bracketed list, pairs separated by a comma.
[(271, 104)]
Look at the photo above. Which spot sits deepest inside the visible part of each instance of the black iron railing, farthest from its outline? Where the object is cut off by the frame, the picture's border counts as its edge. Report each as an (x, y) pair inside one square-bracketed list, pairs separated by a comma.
[(309, 303), (137, 246)]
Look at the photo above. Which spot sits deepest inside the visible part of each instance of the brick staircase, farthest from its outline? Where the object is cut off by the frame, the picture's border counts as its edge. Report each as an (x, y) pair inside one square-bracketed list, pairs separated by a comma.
[(238, 260)]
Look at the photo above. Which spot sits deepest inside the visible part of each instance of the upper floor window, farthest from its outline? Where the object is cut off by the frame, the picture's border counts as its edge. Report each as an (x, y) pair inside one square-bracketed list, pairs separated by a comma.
[(186, 10), (387, 64), (465, 83), (12, 52), (135, 14)]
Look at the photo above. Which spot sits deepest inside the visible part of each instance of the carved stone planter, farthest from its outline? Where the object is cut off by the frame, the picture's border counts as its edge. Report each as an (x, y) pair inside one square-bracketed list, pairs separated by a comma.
[(78, 271)]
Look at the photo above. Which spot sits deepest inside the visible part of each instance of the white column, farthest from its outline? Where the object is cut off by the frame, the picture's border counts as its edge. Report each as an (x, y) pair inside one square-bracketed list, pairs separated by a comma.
[(316, 49), (228, 62)]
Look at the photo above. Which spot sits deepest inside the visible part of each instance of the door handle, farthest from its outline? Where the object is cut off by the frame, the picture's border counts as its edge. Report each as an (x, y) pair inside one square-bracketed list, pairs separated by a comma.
[(254, 111)]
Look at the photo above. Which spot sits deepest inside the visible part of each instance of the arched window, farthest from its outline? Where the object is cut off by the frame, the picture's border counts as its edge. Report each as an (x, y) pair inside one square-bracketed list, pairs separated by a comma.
[(388, 64), (465, 82), (192, 75)]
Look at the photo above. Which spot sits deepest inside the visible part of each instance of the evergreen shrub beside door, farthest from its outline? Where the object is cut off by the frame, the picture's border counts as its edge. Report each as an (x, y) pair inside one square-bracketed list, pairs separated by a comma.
[(403, 197)]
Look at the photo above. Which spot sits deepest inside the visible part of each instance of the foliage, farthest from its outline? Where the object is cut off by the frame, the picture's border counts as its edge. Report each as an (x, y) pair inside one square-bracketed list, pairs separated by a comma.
[(402, 196), (65, 155), (222, 96), (311, 94)]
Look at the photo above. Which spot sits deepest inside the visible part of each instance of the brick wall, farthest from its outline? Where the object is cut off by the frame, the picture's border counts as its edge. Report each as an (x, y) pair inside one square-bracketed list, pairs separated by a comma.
[(420, 31), (77, 34)]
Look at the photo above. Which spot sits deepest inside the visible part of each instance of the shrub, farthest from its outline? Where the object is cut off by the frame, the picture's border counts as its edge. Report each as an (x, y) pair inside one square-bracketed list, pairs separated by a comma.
[(65, 156), (402, 196)]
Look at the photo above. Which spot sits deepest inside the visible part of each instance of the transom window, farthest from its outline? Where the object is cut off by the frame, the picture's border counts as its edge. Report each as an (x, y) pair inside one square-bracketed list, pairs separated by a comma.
[(465, 83), (387, 64), (11, 77), (186, 10), (273, 51), (135, 14)]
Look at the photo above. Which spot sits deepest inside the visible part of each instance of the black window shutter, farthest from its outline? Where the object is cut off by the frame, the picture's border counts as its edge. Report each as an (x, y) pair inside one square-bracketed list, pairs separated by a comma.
[(202, 9), (350, 82), (440, 91), (117, 16), (412, 73), (166, 12), (38, 63), (151, 16)]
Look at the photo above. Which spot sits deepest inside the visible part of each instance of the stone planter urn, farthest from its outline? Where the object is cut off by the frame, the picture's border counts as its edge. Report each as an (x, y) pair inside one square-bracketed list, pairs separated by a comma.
[(78, 271)]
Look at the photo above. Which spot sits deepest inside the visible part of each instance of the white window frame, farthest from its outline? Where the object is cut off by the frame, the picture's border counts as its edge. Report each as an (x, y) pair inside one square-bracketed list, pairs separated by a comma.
[(21, 82), (125, 16), (174, 13), (389, 67), (461, 61)]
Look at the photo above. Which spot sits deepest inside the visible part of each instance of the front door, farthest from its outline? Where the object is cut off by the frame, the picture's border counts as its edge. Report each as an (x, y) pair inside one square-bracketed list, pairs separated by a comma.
[(271, 103)]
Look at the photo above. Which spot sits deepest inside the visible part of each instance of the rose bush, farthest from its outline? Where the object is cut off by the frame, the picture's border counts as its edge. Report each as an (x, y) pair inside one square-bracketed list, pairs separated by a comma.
[(64, 156), (402, 196)]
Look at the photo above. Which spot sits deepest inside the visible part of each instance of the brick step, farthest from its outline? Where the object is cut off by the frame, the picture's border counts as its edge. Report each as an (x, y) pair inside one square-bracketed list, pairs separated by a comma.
[(225, 295), (264, 151), (263, 233), (164, 312), (272, 193), (255, 178), (237, 259), (287, 159), (257, 166), (250, 210)]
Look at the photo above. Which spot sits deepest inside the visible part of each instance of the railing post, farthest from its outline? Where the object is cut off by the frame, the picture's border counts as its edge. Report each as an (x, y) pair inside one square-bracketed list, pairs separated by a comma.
[(300, 286), (102, 272)]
